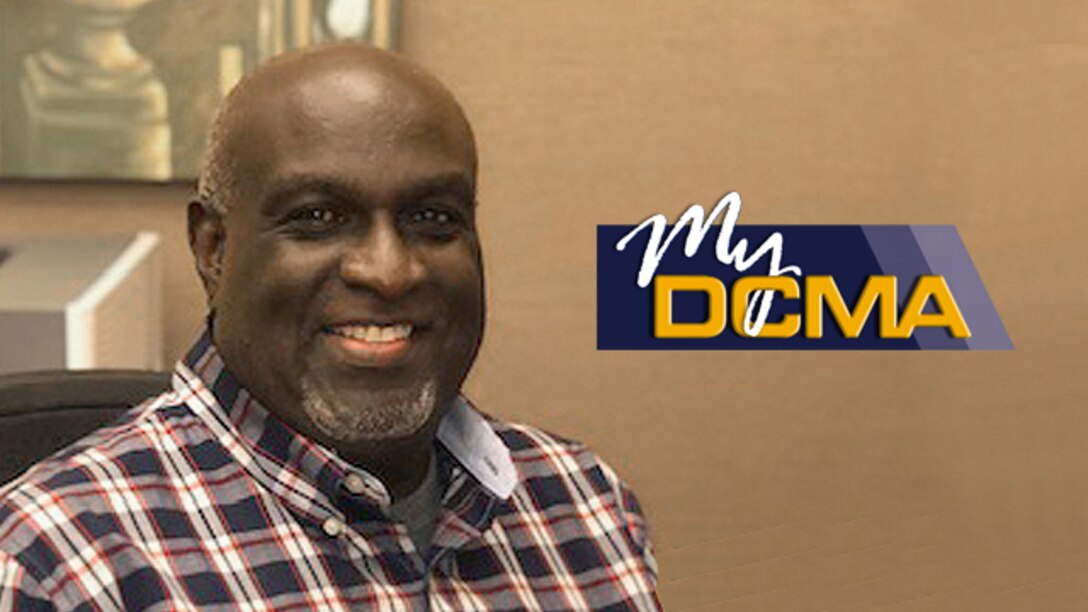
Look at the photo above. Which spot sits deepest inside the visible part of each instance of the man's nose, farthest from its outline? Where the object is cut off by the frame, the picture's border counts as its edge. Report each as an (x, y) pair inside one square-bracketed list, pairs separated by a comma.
[(381, 261)]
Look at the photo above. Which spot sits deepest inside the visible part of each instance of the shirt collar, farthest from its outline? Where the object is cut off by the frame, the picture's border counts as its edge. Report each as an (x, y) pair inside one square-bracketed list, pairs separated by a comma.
[(472, 441), (296, 466)]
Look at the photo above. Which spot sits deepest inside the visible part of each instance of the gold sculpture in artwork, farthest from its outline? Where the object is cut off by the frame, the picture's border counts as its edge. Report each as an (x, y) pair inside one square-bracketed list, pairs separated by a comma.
[(94, 106), (125, 89)]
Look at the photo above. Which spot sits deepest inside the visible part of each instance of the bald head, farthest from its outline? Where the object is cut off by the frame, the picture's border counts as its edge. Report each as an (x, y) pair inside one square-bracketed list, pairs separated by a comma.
[(283, 92)]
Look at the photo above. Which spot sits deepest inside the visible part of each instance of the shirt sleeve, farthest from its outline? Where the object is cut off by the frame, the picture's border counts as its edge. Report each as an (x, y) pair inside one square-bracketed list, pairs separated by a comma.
[(19, 591), (634, 522), (636, 527)]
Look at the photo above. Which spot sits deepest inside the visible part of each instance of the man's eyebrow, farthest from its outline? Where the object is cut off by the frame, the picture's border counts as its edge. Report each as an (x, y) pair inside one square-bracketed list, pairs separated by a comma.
[(283, 190), (455, 184)]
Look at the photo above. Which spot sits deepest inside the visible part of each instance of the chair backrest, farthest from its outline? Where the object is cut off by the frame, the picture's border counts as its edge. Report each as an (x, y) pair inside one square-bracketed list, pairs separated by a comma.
[(42, 412)]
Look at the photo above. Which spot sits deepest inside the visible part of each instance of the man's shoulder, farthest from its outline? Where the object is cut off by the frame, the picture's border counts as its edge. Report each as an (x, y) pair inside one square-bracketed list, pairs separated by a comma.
[(84, 475), (526, 439), (65, 519), (536, 450), (555, 467), (564, 483)]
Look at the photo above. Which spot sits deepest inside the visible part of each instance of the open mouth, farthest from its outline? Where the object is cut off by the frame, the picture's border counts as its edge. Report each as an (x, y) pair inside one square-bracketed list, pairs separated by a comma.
[(376, 333), (372, 344)]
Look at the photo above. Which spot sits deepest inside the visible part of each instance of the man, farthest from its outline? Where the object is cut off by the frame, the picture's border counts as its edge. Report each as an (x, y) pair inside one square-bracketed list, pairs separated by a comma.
[(315, 451)]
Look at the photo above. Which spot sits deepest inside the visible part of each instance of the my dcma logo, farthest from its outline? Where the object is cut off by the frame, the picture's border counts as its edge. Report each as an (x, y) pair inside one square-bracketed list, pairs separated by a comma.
[(849, 287)]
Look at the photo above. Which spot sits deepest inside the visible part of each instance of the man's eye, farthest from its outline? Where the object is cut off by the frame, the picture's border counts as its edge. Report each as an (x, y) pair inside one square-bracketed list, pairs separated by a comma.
[(315, 219), (434, 221)]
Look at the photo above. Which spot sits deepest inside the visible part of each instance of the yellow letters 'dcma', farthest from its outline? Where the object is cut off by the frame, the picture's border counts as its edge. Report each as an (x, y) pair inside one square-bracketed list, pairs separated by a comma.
[(879, 292)]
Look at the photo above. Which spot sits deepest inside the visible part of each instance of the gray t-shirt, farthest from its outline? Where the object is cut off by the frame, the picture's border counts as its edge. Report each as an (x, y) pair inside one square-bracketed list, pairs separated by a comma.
[(419, 509)]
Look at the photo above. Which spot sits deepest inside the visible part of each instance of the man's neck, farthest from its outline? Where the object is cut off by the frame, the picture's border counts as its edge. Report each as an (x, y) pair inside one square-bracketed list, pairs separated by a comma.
[(400, 464)]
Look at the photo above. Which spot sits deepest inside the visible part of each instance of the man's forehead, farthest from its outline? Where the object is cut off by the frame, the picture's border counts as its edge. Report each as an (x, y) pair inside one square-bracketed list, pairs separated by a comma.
[(342, 99), (358, 80)]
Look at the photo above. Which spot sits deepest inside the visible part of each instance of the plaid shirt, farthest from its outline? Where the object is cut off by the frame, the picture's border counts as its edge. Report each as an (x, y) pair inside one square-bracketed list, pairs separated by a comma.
[(200, 499)]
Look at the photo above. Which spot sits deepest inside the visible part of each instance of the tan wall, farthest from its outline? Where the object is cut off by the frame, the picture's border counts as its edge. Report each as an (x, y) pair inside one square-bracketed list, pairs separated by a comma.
[(773, 480)]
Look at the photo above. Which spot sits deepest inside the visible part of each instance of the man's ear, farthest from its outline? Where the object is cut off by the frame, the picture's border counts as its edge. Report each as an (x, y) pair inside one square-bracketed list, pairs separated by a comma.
[(207, 236)]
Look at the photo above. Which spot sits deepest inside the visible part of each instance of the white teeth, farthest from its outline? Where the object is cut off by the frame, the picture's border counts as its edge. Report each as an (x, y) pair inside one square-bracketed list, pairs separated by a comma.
[(375, 333)]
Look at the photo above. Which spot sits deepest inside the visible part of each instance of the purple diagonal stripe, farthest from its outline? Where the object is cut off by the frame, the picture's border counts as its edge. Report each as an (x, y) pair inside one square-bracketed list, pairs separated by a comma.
[(947, 256), (899, 254)]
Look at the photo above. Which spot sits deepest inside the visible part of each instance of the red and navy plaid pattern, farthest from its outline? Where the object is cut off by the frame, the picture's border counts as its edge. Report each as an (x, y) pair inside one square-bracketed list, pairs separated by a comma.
[(200, 499)]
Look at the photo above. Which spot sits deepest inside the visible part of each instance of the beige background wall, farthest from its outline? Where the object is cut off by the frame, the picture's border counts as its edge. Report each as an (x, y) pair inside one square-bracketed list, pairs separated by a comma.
[(791, 481)]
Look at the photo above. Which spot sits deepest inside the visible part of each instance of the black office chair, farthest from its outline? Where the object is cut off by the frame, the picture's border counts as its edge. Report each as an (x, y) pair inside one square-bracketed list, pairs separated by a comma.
[(41, 412)]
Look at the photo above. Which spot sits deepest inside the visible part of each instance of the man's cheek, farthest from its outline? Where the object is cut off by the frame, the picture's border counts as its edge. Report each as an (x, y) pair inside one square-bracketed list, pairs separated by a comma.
[(290, 274)]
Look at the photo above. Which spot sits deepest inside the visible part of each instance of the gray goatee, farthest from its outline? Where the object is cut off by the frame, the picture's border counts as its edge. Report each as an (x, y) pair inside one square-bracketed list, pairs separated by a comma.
[(368, 415)]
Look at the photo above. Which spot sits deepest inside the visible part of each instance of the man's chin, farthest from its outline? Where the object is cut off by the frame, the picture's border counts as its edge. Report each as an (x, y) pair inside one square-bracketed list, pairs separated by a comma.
[(363, 415)]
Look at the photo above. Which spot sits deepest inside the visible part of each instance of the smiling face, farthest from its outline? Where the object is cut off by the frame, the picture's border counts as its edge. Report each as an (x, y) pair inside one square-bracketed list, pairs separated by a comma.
[(345, 278)]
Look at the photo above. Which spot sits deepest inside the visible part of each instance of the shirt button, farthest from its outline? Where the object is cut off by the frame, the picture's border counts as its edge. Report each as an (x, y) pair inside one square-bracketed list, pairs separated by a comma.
[(333, 527), (354, 484)]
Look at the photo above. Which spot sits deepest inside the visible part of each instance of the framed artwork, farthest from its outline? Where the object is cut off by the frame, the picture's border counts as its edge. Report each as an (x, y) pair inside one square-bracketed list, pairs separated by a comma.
[(127, 89)]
